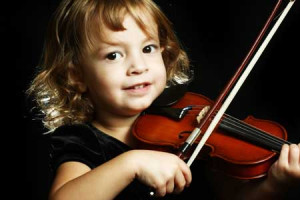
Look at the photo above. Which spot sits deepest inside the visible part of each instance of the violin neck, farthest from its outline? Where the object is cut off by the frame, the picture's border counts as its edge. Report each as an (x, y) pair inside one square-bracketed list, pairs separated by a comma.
[(251, 134)]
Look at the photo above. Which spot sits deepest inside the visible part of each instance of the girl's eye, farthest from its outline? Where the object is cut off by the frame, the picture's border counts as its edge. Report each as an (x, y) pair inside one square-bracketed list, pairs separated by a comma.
[(113, 56), (149, 48)]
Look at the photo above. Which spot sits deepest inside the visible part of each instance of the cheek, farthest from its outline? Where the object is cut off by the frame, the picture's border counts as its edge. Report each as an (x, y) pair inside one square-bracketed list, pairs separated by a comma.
[(107, 84), (161, 72), (161, 78), (98, 85), (102, 92)]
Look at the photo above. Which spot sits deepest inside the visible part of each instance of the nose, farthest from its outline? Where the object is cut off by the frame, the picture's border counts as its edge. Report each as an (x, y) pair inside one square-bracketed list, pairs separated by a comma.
[(137, 65)]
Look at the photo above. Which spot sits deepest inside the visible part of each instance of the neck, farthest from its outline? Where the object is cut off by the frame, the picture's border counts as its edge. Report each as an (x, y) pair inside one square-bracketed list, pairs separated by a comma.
[(118, 127)]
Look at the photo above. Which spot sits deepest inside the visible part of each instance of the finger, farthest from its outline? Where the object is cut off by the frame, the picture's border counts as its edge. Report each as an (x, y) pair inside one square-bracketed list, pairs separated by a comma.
[(180, 182), (186, 172), (283, 160), (160, 191), (170, 186), (294, 155)]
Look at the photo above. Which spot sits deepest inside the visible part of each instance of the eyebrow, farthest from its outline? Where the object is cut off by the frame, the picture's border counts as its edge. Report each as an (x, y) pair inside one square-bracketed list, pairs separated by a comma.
[(119, 43)]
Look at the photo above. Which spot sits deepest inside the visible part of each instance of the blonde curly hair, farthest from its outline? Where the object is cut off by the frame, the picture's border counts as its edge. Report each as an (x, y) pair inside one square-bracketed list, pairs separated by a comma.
[(74, 30)]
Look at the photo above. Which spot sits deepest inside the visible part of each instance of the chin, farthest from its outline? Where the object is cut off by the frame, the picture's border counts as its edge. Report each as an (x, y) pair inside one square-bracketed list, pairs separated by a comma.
[(138, 108), (138, 105)]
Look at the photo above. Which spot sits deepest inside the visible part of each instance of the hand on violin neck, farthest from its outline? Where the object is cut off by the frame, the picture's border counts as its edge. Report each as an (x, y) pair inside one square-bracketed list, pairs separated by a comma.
[(285, 172), (283, 177), (164, 172)]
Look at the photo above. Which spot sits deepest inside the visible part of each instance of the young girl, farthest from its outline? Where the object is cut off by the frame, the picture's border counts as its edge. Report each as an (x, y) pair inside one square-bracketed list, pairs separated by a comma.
[(105, 61)]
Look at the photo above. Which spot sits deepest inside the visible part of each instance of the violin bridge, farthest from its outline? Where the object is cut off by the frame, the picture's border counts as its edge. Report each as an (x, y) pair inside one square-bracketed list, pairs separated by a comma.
[(202, 113)]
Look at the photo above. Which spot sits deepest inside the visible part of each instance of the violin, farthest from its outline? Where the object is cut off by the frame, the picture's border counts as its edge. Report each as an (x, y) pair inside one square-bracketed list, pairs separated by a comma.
[(243, 149)]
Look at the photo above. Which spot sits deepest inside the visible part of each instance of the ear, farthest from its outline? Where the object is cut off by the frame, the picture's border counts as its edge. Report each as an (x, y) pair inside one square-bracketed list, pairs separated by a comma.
[(75, 78)]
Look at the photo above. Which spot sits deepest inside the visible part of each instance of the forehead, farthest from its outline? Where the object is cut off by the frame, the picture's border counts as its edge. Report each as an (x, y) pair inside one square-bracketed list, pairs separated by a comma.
[(130, 28), (101, 27)]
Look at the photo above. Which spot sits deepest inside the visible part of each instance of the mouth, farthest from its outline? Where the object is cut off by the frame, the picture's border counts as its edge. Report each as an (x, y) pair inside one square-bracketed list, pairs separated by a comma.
[(139, 89), (138, 86)]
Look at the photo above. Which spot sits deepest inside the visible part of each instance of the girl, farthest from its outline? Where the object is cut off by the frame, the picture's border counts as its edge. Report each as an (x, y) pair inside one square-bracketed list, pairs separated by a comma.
[(105, 61)]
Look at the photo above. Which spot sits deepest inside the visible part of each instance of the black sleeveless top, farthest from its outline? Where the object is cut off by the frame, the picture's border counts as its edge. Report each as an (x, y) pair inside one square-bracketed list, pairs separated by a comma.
[(86, 144)]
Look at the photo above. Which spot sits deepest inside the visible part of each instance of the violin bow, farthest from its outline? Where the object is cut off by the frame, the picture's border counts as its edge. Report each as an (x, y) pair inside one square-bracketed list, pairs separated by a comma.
[(238, 79)]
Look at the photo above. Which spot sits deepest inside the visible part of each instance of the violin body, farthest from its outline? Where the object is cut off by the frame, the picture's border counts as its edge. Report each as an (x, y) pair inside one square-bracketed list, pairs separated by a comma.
[(223, 150)]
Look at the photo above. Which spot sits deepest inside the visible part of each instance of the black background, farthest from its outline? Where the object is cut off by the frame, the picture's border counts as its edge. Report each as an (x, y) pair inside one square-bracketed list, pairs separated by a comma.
[(216, 34)]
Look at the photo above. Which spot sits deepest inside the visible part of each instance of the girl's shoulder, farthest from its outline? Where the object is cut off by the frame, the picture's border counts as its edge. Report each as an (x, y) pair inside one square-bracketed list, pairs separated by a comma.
[(73, 132), (79, 134), (75, 143), (87, 134), (73, 129), (83, 143)]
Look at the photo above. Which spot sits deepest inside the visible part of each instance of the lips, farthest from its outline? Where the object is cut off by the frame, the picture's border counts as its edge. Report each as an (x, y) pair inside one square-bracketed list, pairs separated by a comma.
[(137, 86)]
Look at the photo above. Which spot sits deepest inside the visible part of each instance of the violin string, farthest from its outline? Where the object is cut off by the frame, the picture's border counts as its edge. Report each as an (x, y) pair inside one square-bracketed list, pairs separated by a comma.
[(252, 132), (246, 127), (271, 139), (249, 127), (249, 134), (259, 131)]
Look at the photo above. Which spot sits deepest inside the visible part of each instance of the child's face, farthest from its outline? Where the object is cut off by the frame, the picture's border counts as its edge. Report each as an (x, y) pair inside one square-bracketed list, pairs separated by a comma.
[(127, 73)]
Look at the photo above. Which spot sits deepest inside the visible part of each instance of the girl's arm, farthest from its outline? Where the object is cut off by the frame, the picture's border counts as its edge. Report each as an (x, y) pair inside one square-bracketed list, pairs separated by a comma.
[(284, 175), (164, 172)]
